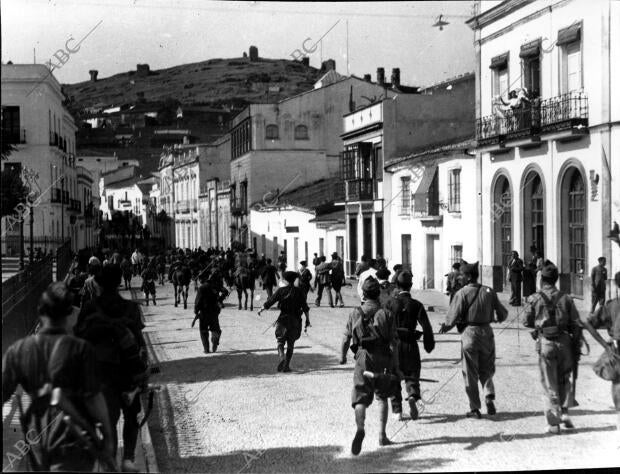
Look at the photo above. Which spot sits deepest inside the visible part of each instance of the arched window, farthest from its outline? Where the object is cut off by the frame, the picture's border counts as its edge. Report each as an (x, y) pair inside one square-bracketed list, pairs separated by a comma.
[(501, 216), (574, 240), (301, 132), (271, 132)]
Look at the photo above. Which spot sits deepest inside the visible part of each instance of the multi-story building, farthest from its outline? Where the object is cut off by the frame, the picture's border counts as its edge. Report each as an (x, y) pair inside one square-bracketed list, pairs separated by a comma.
[(277, 147), (548, 153), (384, 132), (433, 197), (36, 123)]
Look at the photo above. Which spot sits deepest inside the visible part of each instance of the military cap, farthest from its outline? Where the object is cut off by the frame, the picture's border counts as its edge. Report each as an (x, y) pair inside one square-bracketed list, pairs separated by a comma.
[(383, 274), (404, 278), (470, 268), (371, 285), (290, 276), (549, 270)]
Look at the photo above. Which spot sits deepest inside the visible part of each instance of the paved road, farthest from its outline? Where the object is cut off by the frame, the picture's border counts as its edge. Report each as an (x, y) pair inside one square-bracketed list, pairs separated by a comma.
[(232, 412)]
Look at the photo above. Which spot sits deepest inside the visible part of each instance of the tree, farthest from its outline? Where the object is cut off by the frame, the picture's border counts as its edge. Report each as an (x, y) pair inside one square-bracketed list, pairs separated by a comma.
[(13, 192)]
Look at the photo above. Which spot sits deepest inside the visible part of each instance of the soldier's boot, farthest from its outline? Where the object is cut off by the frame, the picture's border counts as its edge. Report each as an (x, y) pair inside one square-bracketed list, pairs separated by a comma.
[(282, 358), (204, 337), (413, 409), (490, 404), (360, 418), (289, 356), (215, 340), (147, 299), (566, 421)]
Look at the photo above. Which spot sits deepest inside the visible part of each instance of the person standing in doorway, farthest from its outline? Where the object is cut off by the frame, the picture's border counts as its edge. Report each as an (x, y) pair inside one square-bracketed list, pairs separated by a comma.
[(515, 276), (599, 283)]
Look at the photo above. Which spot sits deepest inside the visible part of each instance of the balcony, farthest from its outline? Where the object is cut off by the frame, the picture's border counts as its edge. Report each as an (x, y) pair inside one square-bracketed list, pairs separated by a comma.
[(183, 206), (566, 112), (427, 209), (14, 137), (360, 190), (238, 208)]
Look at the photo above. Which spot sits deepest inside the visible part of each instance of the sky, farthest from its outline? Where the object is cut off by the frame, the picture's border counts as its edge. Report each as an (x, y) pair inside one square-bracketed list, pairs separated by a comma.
[(118, 34)]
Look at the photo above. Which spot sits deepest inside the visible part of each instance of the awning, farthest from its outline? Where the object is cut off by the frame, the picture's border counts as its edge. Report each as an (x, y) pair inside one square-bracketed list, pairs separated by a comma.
[(531, 49), (499, 62), (419, 197), (569, 34)]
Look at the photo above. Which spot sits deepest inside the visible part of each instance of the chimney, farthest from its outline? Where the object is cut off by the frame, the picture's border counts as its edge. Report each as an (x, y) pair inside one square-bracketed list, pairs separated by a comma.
[(396, 76), (143, 70), (380, 76), (93, 75), (305, 61), (253, 53), (367, 77), (328, 65)]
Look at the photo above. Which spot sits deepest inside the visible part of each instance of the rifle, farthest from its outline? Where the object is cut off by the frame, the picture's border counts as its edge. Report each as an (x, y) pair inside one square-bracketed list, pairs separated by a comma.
[(392, 377), (195, 318), (577, 340)]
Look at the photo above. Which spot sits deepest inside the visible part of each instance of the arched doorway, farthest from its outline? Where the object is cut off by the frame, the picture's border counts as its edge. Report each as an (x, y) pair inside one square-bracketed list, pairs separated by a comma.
[(573, 236), (533, 213), (501, 215)]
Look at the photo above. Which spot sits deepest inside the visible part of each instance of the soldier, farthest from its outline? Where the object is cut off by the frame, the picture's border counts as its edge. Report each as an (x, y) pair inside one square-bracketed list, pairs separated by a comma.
[(207, 310), (337, 278), (515, 276), (387, 289), (305, 276), (408, 312), (608, 317), (148, 282), (599, 283), (471, 311), (555, 319), (323, 278), (372, 335), (454, 281), (269, 277), (288, 325)]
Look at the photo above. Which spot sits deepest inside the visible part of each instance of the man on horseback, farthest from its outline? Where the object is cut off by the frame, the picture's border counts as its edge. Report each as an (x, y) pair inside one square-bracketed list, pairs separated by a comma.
[(292, 304)]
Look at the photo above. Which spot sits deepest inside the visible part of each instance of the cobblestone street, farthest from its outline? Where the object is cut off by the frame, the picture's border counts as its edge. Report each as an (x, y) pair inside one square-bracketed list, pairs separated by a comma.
[(232, 412)]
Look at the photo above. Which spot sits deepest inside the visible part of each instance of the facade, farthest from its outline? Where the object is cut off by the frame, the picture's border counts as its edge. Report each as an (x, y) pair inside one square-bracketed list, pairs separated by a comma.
[(433, 195), (281, 146), (375, 136), (88, 221), (549, 165), (36, 123)]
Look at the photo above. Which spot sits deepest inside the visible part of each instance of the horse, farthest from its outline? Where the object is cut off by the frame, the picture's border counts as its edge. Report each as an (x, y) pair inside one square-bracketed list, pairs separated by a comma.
[(181, 278), (244, 280)]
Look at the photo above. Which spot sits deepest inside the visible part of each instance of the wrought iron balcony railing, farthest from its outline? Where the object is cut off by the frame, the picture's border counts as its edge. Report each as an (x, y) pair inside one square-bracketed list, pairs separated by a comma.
[(360, 189), (564, 112), (183, 206), (14, 137)]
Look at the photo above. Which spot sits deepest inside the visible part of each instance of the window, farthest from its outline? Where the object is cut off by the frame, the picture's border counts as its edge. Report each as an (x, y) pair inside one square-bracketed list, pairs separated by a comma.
[(405, 194), (301, 132), (571, 67), (11, 125), (456, 255), (530, 56), (271, 132), (378, 173), (454, 199), (499, 65)]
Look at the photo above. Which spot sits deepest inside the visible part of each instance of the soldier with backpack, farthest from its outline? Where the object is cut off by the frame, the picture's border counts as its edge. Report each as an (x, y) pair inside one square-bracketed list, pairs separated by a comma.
[(59, 374), (471, 311), (323, 280), (555, 319), (207, 309), (371, 333), (408, 313), (114, 326)]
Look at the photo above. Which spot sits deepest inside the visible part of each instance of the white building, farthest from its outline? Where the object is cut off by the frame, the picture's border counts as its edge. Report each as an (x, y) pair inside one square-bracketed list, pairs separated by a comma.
[(35, 121), (549, 167), (432, 199)]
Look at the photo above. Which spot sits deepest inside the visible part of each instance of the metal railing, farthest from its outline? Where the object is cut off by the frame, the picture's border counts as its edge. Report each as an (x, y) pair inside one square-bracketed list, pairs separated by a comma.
[(564, 111), (360, 189)]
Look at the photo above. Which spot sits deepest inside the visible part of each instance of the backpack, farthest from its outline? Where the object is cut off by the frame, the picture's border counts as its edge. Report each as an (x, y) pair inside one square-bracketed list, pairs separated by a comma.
[(324, 276)]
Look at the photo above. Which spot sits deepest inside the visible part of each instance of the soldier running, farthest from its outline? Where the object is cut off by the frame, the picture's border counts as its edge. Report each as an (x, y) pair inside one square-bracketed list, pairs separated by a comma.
[(372, 334), (408, 313), (288, 325), (555, 319), (207, 310), (471, 311)]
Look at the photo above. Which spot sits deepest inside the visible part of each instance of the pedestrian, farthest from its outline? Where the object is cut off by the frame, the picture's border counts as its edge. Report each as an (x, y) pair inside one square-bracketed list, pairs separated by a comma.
[(288, 325), (529, 274), (362, 266), (397, 269), (149, 275), (371, 334), (540, 263), (127, 270), (555, 319), (282, 263), (608, 317), (114, 326), (324, 282), (136, 261), (387, 288), (305, 277), (207, 310), (91, 289), (52, 362), (453, 281), (337, 279), (269, 277), (408, 313), (371, 271), (515, 276), (316, 261), (472, 311), (598, 279)]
